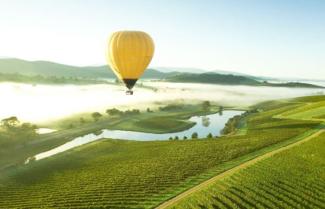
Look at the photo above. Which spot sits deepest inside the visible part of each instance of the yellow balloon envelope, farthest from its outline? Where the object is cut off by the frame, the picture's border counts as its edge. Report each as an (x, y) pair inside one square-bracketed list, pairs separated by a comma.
[(129, 54)]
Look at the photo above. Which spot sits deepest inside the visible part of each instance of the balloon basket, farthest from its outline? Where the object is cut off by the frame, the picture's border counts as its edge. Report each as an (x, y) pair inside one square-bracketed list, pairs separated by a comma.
[(129, 92)]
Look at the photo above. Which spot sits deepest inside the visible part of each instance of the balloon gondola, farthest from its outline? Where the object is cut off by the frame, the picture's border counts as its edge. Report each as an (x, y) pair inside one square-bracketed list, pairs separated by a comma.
[(129, 54)]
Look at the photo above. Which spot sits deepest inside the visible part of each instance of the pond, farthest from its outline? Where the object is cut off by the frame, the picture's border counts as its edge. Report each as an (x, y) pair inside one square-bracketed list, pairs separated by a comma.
[(204, 125)]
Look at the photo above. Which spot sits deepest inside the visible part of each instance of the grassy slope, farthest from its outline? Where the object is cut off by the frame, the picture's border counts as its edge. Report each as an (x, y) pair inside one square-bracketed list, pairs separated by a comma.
[(290, 179), (309, 111), (126, 174)]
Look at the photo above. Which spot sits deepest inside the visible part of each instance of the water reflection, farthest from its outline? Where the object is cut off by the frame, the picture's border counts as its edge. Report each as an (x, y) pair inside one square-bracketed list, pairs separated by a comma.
[(205, 121)]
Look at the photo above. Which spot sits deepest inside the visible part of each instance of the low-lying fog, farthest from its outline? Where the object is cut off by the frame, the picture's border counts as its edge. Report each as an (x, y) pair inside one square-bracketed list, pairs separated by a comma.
[(48, 102)]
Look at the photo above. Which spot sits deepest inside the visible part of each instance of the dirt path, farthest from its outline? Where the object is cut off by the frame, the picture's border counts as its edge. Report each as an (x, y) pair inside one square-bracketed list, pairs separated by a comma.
[(233, 170)]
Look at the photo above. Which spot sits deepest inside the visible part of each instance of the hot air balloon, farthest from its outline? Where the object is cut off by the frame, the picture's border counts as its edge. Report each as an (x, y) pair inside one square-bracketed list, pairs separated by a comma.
[(129, 53)]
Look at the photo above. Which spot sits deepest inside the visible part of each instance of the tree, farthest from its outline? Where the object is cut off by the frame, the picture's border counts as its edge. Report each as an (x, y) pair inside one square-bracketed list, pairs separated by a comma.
[(195, 135), (132, 112), (12, 129), (171, 107), (185, 137), (113, 111), (28, 126), (209, 136), (26, 130), (96, 116), (10, 122), (205, 121), (148, 110), (176, 138), (82, 120), (206, 105), (220, 110), (170, 138), (231, 125)]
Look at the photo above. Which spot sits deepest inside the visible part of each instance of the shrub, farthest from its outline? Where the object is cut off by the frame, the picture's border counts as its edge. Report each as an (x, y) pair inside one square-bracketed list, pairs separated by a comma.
[(195, 135)]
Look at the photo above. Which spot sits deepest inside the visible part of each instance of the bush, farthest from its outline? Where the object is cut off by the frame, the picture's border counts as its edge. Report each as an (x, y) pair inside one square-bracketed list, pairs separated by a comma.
[(195, 135)]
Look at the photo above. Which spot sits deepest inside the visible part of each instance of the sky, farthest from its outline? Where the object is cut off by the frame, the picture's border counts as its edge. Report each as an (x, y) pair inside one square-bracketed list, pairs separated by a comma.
[(279, 38)]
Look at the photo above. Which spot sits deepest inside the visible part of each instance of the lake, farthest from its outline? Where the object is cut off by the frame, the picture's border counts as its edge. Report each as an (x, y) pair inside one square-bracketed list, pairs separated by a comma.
[(204, 125)]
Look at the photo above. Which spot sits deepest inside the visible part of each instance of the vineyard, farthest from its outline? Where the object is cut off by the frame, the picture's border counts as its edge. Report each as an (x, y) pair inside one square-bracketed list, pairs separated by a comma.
[(294, 178), (132, 174), (308, 111)]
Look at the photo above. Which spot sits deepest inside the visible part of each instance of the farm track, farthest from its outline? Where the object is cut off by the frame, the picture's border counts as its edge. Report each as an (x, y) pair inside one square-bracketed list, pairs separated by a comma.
[(231, 171)]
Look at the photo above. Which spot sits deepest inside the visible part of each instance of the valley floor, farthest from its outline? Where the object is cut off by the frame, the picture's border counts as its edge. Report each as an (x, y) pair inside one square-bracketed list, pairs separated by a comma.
[(132, 174)]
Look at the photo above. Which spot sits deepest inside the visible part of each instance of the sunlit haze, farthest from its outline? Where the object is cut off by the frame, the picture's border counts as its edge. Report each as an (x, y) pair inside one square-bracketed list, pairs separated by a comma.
[(44, 102), (281, 38)]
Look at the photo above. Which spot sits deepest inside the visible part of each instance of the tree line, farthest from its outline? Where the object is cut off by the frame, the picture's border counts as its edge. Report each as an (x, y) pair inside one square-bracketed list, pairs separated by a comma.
[(12, 129)]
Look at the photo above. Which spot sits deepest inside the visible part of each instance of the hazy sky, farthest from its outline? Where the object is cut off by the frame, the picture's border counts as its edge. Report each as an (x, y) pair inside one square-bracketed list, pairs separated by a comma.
[(283, 38)]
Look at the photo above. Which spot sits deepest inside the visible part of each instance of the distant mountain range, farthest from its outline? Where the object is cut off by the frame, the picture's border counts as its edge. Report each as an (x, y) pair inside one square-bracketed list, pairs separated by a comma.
[(229, 79), (180, 69), (34, 71), (214, 78), (45, 68)]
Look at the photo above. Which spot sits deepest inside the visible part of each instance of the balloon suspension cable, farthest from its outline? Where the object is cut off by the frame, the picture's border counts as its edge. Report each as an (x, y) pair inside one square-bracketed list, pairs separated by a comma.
[(129, 92)]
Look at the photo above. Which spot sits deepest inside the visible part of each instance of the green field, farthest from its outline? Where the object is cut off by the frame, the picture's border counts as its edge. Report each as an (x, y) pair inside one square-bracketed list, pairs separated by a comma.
[(294, 178), (132, 174)]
